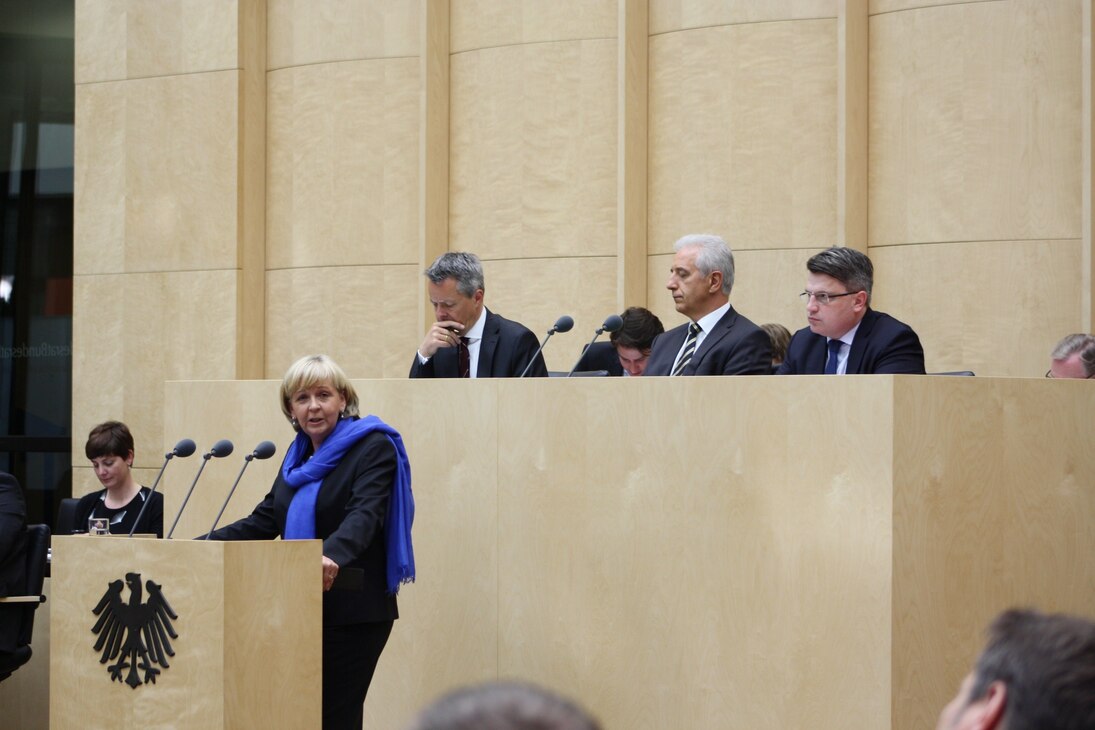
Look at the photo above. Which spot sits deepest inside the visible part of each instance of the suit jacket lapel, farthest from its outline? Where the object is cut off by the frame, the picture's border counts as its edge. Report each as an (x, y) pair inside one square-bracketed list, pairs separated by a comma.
[(720, 330), (488, 346), (859, 344)]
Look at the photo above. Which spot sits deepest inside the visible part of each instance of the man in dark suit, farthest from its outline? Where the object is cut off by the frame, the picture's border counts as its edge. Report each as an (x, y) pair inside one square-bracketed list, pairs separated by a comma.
[(717, 340), (13, 560), (628, 349), (468, 340), (845, 335)]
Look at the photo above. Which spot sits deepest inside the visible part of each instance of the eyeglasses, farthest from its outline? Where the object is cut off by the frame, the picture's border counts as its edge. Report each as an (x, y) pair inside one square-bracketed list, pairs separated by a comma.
[(823, 297)]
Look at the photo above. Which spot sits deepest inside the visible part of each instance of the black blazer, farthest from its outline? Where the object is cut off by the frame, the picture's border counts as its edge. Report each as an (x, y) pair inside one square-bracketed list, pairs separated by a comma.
[(734, 346), (151, 521), (882, 345), (350, 510), (13, 558), (506, 348), (600, 356)]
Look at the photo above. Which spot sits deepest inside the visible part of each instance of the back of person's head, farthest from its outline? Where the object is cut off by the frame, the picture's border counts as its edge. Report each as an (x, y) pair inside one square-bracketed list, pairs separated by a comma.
[(464, 268), (1078, 344), (848, 266), (1047, 665), (639, 329), (503, 706), (713, 254), (111, 438), (780, 337)]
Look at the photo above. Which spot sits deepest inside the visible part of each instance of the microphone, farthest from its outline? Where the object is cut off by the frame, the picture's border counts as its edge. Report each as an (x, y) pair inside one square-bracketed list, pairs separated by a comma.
[(263, 451), (182, 449), (613, 323), (221, 448), (563, 324)]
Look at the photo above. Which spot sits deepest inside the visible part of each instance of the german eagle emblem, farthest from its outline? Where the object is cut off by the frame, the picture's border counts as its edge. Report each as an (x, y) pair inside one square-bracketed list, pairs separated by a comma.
[(136, 636)]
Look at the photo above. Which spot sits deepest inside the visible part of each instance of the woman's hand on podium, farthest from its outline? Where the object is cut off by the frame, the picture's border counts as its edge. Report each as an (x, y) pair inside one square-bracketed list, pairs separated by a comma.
[(330, 572)]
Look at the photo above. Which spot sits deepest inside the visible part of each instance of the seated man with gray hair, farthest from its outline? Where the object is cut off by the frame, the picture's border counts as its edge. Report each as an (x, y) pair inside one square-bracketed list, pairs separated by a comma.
[(468, 340), (1037, 672), (716, 340), (846, 336), (1073, 357), (504, 705)]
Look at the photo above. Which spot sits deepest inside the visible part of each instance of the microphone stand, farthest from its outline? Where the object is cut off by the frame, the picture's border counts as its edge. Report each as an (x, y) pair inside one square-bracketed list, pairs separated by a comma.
[(599, 332), (167, 457), (525, 371), (246, 460)]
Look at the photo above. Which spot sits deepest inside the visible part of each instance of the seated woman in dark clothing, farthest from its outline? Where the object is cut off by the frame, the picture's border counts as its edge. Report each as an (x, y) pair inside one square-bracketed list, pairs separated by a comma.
[(110, 449)]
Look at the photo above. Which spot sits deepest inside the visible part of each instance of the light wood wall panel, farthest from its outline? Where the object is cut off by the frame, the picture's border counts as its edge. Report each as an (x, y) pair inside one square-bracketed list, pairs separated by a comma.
[(127, 39), (977, 529), (533, 150), (157, 174), (995, 307), (975, 128), (743, 135), (303, 32), (767, 284), (536, 292), (131, 332), (667, 16), (362, 316), (490, 23), (877, 7), (343, 164)]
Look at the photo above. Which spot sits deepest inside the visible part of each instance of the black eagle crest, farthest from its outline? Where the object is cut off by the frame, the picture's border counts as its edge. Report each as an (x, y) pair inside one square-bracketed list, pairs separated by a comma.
[(137, 635)]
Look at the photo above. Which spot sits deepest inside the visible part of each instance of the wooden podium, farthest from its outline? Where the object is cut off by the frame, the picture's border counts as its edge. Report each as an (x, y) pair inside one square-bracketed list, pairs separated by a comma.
[(248, 650)]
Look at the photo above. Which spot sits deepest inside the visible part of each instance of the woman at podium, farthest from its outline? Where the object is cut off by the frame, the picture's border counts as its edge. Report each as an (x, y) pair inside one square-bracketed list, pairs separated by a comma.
[(346, 481), (110, 448)]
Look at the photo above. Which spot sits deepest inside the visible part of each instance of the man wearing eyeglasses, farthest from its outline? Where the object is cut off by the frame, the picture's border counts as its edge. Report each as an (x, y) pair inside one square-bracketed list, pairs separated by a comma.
[(717, 340), (845, 335), (1073, 357)]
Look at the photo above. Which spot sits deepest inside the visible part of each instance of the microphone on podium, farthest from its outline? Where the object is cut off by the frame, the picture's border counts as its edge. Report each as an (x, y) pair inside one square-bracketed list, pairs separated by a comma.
[(611, 324), (182, 449), (263, 451), (563, 324), (221, 448)]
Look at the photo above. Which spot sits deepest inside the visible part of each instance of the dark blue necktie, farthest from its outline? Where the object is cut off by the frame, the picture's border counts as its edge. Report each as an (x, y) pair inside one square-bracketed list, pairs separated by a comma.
[(834, 357)]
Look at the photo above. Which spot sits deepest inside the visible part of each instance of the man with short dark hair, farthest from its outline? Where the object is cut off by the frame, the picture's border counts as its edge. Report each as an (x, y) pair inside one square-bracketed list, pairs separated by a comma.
[(468, 340), (846, 336), (717, 340), (1037, 673), (628, 349), (1073, 357)]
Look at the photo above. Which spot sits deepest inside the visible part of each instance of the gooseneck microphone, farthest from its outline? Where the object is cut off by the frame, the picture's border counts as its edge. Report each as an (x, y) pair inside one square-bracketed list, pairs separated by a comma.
[(263, 451), (613, 323), (563, 324), (183, 449), (221, 448)]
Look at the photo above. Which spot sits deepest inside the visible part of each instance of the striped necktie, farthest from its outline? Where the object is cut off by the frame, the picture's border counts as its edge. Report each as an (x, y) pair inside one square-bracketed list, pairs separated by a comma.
[(689, 348), (465, 358)]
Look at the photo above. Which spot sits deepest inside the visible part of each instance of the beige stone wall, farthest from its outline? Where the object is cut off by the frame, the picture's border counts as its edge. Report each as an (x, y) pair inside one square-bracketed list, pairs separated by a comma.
[(261, 179)]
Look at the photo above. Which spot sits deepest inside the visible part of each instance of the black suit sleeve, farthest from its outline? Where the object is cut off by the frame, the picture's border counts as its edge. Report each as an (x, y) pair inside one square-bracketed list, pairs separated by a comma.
[(13, 514), (526, 347), (261, 524), (903, 354), (418, 370), (751, 356), (370, 490)]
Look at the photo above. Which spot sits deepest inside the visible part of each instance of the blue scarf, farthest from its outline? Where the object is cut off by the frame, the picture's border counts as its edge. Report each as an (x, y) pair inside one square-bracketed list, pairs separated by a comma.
[(306, 478)]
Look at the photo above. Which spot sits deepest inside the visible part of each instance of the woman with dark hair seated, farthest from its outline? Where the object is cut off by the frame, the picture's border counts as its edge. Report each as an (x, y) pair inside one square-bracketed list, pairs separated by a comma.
[(110, 449)]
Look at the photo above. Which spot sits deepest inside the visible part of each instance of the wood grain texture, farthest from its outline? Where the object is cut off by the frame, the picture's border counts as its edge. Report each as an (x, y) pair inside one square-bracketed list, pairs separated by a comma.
[(993, 508), (667, 16), (303, 32), (343, 164), (362, 316), (743, 134), (478, 24), (128, 39), (996, 308), (577, 547), (224, 595), (158, 181), (533, 150), (132, 332), (975, 128)]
